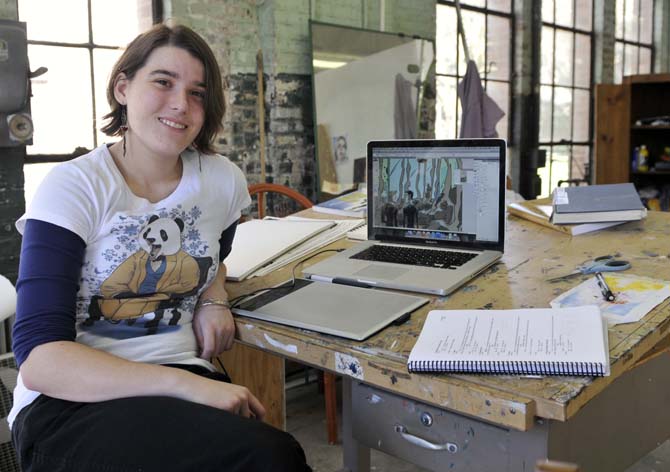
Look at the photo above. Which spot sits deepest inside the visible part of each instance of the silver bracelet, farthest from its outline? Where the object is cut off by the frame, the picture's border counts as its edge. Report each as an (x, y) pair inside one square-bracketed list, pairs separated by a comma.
[(213, 301)]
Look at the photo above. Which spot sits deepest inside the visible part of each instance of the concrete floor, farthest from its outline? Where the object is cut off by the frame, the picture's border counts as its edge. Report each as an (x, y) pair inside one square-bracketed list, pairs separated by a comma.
[(306, 421)]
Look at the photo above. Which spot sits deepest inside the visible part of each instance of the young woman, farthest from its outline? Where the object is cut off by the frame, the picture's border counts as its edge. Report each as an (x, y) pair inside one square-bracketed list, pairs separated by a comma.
[(121, 297)]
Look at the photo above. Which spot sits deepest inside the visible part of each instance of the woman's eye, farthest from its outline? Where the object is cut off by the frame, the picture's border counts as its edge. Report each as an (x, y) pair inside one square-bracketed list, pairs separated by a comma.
[(163, 82), (198, 94)]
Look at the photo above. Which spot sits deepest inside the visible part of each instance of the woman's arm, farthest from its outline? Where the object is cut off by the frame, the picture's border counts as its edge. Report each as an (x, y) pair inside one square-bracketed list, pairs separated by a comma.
[(213, 325), (75, 372)]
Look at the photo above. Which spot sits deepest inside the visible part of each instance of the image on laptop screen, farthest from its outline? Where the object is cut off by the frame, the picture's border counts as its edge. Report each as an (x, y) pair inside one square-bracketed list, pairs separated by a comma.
[(436, 193)]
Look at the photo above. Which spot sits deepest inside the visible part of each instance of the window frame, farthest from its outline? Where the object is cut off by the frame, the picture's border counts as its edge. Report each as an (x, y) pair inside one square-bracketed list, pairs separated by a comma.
[(627, 42), (571, 143), (509, 116), (90, 46)]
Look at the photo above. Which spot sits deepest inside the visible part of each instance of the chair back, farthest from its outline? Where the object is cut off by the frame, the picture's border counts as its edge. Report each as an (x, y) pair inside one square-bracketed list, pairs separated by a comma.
[(277, 207)]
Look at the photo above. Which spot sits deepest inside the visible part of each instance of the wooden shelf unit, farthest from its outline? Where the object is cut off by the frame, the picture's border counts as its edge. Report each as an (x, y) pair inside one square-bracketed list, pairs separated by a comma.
[(618, 108)]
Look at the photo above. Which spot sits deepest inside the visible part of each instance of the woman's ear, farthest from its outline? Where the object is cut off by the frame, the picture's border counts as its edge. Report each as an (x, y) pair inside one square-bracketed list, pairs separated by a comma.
[(120, 86)]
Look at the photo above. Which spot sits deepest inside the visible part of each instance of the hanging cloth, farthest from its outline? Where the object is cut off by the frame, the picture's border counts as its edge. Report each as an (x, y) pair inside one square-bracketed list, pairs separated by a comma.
[(480, 113), (404, 115)]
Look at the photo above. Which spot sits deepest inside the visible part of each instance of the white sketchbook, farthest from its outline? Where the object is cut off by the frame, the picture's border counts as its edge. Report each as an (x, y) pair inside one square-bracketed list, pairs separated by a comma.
[(259, 242), (538, 341)]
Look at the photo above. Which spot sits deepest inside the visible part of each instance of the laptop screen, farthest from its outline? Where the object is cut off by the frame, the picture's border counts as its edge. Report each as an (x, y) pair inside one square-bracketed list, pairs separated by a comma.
[(442, 192)]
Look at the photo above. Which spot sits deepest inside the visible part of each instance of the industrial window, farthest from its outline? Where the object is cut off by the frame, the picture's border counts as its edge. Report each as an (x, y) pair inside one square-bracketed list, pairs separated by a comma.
[(78, 41), (565, 91), (634, 33), (488, 27)]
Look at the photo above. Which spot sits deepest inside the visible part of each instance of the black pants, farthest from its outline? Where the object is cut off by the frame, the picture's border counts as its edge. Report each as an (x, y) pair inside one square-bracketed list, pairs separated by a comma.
[(147, 434)]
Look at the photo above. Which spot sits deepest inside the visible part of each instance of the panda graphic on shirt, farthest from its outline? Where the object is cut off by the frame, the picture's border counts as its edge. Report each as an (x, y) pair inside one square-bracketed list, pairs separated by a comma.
[(147, 289)]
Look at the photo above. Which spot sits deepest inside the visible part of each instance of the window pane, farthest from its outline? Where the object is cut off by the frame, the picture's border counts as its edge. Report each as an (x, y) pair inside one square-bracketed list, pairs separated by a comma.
[(445, 117), (580, 129), (114, 23), (563, 65), (618, 62), (547, 60), (548, 11), (646, 21), (645, 60), (474, 3), (630, 20), (630, 59), (560, 165), (103, 61), (499, 92), (582, 60), (61, 123), (475, 25), (445, 40), (498, 38), (618, 29), (583, 14), (65, 21), (564, 13), (562, 113), (580, 162), (500, 5), (545, 113), (543, 172)]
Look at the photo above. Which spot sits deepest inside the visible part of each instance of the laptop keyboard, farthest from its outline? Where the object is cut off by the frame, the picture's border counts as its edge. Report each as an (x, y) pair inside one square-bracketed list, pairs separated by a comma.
[(440, 259)]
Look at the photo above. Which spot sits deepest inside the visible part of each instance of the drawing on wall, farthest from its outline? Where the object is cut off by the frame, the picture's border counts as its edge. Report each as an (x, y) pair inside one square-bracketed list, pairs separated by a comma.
[(340, 148)]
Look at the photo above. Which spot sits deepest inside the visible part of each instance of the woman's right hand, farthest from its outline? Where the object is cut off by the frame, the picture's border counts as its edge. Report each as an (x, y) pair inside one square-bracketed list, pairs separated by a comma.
[(225, 396)]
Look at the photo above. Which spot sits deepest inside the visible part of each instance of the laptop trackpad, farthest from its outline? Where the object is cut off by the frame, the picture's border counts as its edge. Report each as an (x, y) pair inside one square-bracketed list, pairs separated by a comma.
[(380, 271)]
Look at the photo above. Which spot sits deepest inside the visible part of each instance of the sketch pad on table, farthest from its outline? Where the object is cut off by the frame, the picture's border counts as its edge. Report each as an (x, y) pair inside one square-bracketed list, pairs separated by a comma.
[(538, 341), (259, 242), (351, 312)]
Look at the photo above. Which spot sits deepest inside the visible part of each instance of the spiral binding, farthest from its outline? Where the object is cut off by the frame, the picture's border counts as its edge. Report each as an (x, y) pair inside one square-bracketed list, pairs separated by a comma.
[(509, 367)]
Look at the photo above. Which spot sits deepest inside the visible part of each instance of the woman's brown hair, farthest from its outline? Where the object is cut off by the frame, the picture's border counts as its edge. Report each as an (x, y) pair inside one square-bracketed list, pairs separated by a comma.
[(136, 55)]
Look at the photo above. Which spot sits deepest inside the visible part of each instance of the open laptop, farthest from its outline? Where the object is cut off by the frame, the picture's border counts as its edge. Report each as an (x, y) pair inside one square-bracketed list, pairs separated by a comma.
[(435, 216)]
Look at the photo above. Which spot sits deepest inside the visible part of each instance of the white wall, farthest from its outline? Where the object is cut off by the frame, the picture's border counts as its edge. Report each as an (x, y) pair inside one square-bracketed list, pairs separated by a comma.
[(357, 100)]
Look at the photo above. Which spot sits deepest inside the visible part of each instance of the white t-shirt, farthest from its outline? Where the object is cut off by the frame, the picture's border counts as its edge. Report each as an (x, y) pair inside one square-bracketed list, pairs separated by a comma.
[(145, 263)]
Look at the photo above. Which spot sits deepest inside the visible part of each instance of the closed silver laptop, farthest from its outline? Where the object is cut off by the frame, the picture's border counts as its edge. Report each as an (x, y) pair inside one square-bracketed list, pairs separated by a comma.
[(435, 216)]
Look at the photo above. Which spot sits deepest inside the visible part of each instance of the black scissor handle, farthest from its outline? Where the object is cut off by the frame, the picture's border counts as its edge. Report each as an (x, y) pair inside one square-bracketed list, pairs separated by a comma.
[(616, 263)]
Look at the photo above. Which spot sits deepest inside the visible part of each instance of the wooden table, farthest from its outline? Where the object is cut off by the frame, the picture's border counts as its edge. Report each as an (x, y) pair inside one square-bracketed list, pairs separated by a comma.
[(547, 415)]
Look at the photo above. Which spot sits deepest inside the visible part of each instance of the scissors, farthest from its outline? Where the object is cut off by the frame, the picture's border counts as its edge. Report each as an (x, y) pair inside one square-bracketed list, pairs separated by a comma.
[(599, 264)]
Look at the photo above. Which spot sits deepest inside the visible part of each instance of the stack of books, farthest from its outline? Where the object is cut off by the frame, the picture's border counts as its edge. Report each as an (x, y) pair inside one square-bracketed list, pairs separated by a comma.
[(579, 210), (597, 204)]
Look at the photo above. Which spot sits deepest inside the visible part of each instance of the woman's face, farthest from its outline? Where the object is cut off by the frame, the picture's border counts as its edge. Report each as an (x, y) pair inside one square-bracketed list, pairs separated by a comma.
[(165, 102)]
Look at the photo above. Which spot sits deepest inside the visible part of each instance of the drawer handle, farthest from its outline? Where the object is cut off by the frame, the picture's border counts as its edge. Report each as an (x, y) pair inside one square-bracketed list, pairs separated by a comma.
[(448, 446)]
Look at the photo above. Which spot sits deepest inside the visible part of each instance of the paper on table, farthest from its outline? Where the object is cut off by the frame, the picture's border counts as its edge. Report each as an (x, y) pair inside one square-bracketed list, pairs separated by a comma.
[(635, 297), (359, 234), (259, 242), (322, 239)]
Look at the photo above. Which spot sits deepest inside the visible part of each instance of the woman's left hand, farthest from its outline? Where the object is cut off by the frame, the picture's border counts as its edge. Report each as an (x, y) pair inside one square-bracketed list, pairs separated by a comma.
[(214, 329)]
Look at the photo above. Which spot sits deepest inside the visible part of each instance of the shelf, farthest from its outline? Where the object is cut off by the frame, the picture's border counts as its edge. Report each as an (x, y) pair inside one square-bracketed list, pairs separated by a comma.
[(646, 127), (647, 79), (651, 173)]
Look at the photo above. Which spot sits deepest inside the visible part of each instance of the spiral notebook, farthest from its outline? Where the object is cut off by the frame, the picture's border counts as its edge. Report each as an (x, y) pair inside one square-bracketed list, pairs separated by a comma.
[(539, 341)]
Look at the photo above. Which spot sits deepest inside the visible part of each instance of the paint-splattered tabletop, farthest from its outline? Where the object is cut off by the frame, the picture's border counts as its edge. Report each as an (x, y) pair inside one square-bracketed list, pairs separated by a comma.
[(533, 254)]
